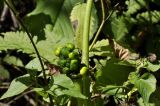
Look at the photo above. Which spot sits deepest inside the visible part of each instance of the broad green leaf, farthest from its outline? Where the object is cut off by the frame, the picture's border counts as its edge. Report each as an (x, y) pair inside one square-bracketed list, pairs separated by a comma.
[(17, 86), (63, 80), (146, 85), (34, 65), (41, 92), (73, 92), (101, 48), (12, 60), (112, 73), (63, 85), (77, 19), (55, 12)]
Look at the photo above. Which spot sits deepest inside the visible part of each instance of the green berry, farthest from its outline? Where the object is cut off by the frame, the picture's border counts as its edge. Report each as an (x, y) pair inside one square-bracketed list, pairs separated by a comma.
[(58, 51), (83, 70), (62, 62), (74, 65), (65, 52), (73, 55), (70, 46)]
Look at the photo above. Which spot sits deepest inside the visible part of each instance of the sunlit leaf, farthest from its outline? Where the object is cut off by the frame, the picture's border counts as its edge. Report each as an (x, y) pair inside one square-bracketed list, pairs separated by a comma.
[(146, 85), (17, 86), (77, 19)]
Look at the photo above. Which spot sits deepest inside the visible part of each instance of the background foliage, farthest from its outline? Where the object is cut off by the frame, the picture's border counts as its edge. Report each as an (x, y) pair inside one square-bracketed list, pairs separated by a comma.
[(124, 61)]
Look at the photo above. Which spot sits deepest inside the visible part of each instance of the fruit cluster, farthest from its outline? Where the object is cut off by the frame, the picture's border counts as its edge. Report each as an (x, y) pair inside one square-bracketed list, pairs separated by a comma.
[(69, 59)]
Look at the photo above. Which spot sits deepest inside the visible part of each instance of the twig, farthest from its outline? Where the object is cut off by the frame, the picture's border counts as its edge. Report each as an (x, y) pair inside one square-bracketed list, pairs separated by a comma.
[(9, 4), (101, 26), (102, 23)]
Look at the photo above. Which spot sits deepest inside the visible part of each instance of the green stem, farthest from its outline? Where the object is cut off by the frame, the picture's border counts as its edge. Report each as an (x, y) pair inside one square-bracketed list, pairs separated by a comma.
[(85, 50), (101, 26), (102, 23), (10, 5)]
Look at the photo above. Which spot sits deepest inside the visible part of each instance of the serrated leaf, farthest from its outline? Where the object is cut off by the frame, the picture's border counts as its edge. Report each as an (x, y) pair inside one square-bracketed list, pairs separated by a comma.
[(134, 6), (77, 19), (146, 86), (16, 40), (144, 17), (17, 86)]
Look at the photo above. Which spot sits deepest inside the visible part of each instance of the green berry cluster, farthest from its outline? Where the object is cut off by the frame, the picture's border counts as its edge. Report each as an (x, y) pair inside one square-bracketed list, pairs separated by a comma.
[(68, 59)]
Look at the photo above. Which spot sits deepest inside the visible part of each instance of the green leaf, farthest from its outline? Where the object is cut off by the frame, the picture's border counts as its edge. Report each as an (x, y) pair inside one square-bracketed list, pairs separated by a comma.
[(152, 67), (63, 85), (34, 65), (73, 92), (17, 86), (101, 48), (12, 60), (144, 17), (134, 6), (63, 80), (118, 27), (16, 40), (112, 73), (4, 74), (77, 19), (48, 46), (146, 85), (52, 12), (112, 89)]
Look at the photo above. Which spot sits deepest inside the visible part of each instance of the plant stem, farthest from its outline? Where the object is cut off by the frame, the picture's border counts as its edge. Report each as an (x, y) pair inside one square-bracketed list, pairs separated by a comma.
[(101, 26), (10, 5), (85, 50), (102, 23), (12, 8)]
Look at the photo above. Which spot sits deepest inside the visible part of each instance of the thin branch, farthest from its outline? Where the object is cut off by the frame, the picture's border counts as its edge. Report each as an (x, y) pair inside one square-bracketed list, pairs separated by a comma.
[(102, 23), (9, 4), (101, 26)]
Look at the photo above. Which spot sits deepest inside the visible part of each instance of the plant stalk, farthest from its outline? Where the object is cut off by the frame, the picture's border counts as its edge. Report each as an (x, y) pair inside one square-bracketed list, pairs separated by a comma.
[(12, 8), (85, 51), (101, 26)]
